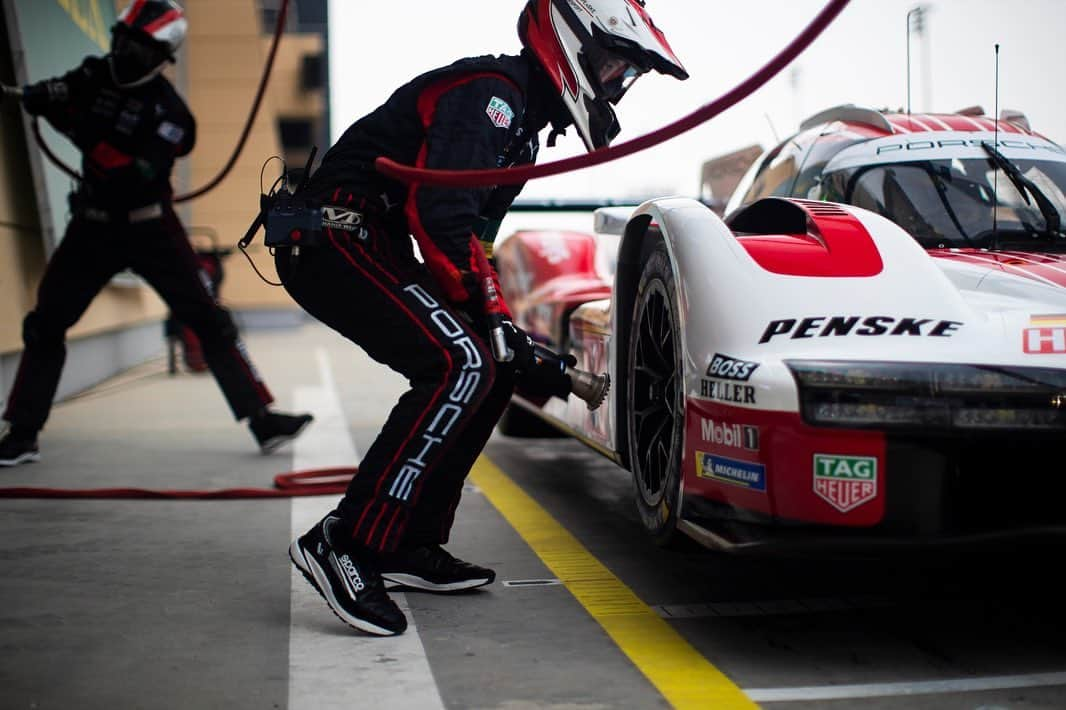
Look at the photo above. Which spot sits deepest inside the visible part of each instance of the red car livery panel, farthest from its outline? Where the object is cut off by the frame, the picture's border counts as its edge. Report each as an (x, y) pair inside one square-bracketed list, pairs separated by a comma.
[(774, 464)]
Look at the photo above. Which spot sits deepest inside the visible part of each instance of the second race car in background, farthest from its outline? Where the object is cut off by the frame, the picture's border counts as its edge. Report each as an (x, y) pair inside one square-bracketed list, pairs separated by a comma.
[(889, 371)]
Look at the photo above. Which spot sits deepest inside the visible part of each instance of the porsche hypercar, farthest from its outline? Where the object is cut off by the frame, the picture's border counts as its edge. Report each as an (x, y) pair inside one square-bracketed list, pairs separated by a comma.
[(868, 351)]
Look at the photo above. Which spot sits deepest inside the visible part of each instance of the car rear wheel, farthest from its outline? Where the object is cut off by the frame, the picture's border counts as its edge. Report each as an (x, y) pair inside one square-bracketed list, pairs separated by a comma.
[(655, 396)]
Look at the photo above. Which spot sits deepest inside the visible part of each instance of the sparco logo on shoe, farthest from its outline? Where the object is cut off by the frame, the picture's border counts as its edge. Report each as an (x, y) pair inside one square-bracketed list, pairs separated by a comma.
[(352, 571), (836, 326), (445, 417), (737, 436), (730, 368)]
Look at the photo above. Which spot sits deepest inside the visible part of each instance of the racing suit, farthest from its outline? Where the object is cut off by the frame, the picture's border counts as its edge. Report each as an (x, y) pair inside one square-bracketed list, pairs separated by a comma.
[(423, 319), (121, 217)]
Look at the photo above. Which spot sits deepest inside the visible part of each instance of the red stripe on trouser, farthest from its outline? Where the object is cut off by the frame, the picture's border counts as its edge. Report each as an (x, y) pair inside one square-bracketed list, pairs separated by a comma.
[(422, 327), (381, 519), (379, 500)]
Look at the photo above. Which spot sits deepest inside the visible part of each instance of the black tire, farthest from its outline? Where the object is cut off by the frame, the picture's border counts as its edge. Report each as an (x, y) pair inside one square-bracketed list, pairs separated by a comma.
[(521, 423), (655, 396)]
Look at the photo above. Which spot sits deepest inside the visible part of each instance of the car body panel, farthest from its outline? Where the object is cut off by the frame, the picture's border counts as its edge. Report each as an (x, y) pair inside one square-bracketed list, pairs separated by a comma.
[(787, 279)]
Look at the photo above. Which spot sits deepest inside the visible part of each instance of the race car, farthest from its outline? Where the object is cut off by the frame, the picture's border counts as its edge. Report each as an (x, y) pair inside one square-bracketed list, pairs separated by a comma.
[(805, 372)]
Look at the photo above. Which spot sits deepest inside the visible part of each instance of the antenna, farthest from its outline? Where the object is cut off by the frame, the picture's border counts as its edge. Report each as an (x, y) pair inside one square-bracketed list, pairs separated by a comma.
[(995, 170), (772, 129)]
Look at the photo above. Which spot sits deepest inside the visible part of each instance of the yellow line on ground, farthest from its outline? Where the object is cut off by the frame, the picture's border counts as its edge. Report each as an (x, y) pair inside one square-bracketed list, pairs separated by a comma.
[(684, 677)]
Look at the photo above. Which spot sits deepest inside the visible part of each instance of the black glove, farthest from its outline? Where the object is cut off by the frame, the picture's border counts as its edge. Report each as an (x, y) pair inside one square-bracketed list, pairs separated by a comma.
[(520, 343), (545, 375)]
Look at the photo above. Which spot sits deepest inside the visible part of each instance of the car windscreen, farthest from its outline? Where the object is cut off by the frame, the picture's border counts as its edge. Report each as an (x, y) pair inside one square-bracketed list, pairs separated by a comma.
[(961, 202)]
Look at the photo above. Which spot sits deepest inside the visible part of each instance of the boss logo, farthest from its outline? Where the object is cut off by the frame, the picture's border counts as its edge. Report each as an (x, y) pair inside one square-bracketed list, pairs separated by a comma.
[(730, 368)]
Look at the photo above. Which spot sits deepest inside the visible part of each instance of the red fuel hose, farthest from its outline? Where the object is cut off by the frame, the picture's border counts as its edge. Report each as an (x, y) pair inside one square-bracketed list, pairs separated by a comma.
[(279, 29), (315, 482), (511, 176)]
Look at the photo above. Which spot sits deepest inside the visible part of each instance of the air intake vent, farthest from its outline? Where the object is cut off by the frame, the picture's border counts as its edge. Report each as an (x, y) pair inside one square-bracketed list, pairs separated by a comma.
[(826, 209)]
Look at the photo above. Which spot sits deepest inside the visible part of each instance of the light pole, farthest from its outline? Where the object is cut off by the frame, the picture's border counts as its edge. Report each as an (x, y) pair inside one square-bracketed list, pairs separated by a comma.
[(916, 23)]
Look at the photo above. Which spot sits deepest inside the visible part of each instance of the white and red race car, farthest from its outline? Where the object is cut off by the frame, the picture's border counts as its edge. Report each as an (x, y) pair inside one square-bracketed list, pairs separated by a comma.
[(890, 371)]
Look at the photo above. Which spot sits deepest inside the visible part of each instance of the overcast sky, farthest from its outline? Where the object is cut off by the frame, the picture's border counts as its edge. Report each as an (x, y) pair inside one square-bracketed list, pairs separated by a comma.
[(861, 59)]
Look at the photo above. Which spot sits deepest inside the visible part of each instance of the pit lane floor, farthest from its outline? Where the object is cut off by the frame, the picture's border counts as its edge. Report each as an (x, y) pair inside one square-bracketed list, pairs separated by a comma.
[(154, 604)]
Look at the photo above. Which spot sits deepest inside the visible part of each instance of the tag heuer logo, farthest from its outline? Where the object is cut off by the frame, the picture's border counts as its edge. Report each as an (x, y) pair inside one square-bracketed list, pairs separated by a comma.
[(500, 112), (845, 482)]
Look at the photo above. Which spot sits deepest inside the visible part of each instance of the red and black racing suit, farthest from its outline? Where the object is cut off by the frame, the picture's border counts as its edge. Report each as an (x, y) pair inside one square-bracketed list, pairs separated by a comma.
[(121, 217), (422, 319)]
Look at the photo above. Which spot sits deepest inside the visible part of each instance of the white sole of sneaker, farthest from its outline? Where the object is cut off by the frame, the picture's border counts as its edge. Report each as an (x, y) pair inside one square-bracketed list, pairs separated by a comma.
[(410, 581), (29, 457), (314, 574), (271, 445)]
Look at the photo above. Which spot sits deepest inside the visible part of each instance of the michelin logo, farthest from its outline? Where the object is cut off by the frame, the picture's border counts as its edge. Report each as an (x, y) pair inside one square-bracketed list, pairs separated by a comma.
[(744, 474)]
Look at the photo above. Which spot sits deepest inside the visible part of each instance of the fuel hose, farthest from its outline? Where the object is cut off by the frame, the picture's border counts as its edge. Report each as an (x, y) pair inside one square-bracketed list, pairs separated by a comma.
[(512, 176)]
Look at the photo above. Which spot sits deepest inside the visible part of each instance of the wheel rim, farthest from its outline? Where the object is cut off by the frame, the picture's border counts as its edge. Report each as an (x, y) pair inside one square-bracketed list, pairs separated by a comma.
[(655, 389)]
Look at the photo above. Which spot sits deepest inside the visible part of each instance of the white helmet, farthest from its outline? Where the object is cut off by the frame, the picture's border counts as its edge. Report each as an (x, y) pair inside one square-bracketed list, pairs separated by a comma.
[(593, 51), (145, 38)]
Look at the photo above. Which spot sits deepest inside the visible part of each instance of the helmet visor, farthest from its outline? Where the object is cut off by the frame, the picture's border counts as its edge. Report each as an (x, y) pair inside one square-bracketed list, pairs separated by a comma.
[(614, 74)]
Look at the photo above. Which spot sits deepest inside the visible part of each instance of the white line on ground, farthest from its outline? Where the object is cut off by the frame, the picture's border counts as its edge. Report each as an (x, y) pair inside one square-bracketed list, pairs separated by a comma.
[(929, 687), (330, 665)]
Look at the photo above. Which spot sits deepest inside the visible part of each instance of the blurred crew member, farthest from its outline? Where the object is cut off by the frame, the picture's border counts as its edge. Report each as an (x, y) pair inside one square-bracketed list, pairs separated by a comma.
[(426, 319), (130, 125)]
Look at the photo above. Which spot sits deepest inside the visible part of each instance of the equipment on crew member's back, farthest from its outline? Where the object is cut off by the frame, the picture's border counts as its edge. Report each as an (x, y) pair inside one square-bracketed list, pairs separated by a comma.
[(289, 221)]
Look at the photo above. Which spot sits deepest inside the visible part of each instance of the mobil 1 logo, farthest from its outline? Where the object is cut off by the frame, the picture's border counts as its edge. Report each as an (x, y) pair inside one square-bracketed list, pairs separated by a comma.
[(845, 482)]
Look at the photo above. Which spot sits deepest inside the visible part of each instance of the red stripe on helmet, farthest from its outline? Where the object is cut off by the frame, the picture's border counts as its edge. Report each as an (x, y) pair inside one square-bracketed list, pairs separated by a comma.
[(133, 11), (654, 30), (163, 21)]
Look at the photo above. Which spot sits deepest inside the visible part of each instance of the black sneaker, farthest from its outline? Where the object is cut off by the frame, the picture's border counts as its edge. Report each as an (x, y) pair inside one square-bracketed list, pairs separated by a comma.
[(354, 591), (431, 568), (15, 451), (272, 429)]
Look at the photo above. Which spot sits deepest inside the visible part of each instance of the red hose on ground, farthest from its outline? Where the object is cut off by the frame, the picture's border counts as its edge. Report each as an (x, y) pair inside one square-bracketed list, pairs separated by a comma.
[(279, 29), (511, 176), (315, 482)]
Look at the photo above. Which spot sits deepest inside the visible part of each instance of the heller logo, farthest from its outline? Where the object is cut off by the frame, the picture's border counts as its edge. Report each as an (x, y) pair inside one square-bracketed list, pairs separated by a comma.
[(744, 474), (727, 392), (730, 368), (500, 112), (738, 436), (1047, 338), (845, 482)]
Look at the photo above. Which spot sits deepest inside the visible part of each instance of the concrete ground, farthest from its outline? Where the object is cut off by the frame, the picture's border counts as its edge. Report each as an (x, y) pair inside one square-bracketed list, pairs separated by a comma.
[(193, 604)]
